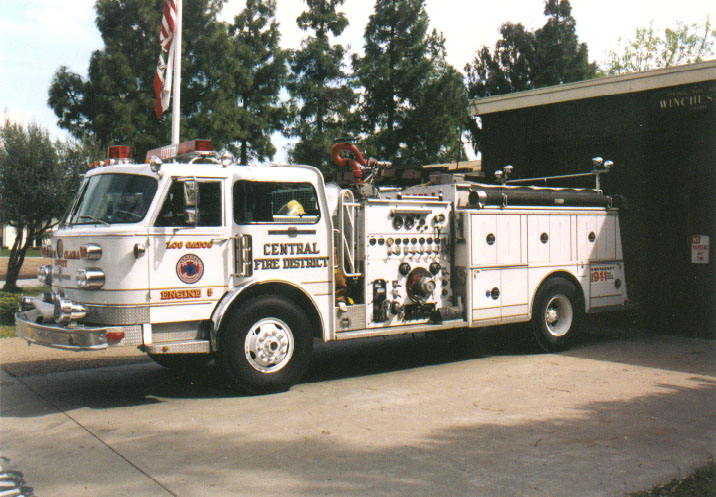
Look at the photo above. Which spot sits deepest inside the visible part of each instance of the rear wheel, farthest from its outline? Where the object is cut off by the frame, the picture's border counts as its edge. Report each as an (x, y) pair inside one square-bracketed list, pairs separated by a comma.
[(266, 346), (556, 313)]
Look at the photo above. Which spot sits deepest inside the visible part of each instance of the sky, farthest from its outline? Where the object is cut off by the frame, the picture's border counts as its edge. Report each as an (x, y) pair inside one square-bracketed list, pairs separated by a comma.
[(38, 36)]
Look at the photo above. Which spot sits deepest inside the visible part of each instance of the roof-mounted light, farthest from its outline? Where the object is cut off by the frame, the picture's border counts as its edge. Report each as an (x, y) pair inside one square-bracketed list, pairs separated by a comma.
[(116, 154), (119, 152), (199, 147)]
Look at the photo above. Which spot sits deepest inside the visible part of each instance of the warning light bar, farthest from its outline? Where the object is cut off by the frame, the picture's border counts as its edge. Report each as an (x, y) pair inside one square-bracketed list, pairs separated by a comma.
[(184, 148)]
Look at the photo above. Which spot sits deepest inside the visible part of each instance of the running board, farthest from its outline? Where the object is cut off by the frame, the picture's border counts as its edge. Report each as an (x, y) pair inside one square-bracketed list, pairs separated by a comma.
[(184, 347)]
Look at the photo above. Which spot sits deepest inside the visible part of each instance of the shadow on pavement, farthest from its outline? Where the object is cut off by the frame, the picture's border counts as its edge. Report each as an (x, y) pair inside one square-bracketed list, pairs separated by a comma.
[(607, 448), (141, 382), (601, 448)]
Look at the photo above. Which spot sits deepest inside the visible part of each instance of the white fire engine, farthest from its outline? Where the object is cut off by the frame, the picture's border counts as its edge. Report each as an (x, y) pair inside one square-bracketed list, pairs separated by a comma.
[(191, 257)]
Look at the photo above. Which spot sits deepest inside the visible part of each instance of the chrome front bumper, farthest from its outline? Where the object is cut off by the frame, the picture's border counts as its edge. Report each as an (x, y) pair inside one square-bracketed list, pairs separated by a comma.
[(68, 337)]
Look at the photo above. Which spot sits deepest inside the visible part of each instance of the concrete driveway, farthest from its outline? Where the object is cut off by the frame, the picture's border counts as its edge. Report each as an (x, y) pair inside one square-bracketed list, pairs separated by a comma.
[(395, 417)]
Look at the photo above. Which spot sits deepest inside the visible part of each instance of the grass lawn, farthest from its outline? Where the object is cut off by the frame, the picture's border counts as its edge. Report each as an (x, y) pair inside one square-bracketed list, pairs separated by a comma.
[(701, 484), (9, 303), (30, 253), (7, 330)]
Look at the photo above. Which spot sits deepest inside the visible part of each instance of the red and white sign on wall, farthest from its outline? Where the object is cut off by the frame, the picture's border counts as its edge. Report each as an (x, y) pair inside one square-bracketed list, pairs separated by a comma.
[(700, 249)]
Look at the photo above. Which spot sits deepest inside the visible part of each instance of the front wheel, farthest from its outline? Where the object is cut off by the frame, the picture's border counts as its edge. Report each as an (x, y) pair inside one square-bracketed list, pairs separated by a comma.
[(266, 346), (555, 314)]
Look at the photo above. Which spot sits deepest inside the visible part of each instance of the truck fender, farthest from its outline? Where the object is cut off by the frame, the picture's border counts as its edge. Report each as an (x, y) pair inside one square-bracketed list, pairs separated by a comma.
[(222, 307), (251, 288), (560, 274)]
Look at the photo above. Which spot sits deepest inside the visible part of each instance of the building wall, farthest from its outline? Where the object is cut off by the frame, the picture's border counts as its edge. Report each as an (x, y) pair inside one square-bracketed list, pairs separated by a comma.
[(8, 234), (663, 144)]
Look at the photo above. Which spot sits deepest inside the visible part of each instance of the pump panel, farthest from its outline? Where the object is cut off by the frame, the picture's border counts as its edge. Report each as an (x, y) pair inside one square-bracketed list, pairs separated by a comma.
[(406, 248)]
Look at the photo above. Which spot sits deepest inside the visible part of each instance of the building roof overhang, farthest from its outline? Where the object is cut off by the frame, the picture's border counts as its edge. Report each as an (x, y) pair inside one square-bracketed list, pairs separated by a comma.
[(610, 85)]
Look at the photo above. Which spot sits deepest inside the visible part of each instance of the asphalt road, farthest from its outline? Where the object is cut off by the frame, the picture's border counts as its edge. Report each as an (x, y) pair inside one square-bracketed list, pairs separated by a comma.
[(401, 416)]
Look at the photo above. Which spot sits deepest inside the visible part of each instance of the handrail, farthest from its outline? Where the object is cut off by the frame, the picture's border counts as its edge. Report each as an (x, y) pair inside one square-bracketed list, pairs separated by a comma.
[(347, 234)]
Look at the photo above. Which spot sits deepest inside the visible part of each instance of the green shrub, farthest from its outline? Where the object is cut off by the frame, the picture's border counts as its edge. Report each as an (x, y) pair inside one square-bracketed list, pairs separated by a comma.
[(9, 304)]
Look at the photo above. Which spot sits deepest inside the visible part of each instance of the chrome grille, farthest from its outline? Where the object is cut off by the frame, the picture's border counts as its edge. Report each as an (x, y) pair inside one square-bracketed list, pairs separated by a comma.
[(116, 315)]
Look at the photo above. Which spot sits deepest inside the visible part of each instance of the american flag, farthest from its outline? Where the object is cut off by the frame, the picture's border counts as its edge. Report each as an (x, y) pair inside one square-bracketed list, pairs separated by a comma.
[(163, 76)]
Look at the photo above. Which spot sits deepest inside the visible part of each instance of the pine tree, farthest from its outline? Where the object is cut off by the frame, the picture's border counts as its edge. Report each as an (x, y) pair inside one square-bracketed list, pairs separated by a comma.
[(523, 60), (320, 85), (433, 134), (259, 71), (509, 68), (115, 103), (413, 105), (559, 57)]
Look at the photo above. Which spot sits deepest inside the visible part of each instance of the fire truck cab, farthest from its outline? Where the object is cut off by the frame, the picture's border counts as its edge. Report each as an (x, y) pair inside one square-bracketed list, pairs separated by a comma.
[(191, 257)]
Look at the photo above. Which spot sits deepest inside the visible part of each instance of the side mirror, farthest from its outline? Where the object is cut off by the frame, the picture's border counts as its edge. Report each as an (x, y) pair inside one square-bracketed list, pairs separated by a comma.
[(191, 202), (191, 216), (191, 193)]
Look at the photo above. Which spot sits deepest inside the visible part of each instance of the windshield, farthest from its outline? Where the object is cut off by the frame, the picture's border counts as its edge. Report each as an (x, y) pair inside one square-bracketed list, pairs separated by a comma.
[(114, 198)]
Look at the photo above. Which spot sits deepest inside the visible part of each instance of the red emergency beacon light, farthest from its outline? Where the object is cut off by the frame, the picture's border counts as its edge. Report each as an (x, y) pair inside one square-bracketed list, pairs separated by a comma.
[(184, 148), (116, 154), (119, 152)]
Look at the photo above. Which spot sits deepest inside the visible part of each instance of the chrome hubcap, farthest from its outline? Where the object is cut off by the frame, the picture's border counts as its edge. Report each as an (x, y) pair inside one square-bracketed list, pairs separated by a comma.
[(558, 315), (552, 316), (269, 345)]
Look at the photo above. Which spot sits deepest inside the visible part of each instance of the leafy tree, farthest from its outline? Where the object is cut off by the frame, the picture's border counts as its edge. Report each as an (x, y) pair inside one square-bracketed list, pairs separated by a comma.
[(413, 102), (37, 181), (258, 73), (115, 103), (683, 44), (320, 84)]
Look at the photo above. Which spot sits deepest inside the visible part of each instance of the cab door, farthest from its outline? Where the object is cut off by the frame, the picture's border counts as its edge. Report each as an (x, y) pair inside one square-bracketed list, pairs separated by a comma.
[(188, 264), (286, 225)]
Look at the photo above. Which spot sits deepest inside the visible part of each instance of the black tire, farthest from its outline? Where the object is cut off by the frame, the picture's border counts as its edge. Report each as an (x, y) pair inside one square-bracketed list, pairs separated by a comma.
[(266, 345), (556, 313), (181, 362)]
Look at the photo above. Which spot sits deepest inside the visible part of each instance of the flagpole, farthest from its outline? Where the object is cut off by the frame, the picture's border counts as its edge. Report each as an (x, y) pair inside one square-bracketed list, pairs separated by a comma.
[(177, 74)]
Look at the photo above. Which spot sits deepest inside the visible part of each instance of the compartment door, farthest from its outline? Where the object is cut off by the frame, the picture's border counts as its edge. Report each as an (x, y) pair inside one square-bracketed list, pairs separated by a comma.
[(486, 294)]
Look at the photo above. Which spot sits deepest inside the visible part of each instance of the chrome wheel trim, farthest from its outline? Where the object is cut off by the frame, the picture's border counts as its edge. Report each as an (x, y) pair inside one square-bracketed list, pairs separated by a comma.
[(558, 315), (269, 345)]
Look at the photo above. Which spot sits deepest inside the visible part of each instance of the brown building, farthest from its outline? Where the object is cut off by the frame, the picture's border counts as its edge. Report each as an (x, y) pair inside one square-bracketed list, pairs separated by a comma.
[(659, 128)]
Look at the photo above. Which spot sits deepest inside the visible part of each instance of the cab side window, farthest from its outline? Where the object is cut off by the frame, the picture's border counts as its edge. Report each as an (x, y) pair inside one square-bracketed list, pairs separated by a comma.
[(271, 202), (210, 212)]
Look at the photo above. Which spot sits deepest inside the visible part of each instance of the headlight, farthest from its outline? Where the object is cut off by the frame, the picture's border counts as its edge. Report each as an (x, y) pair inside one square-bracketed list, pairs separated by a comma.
[(90, 252), (89, 278)]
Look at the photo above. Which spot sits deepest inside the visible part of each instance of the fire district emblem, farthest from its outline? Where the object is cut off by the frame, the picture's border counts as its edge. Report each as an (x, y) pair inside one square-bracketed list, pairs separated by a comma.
[(190, 269)]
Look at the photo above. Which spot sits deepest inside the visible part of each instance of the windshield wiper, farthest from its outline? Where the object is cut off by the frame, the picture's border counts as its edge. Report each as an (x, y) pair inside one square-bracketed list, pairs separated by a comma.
[(94, 219), (130, 214)]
